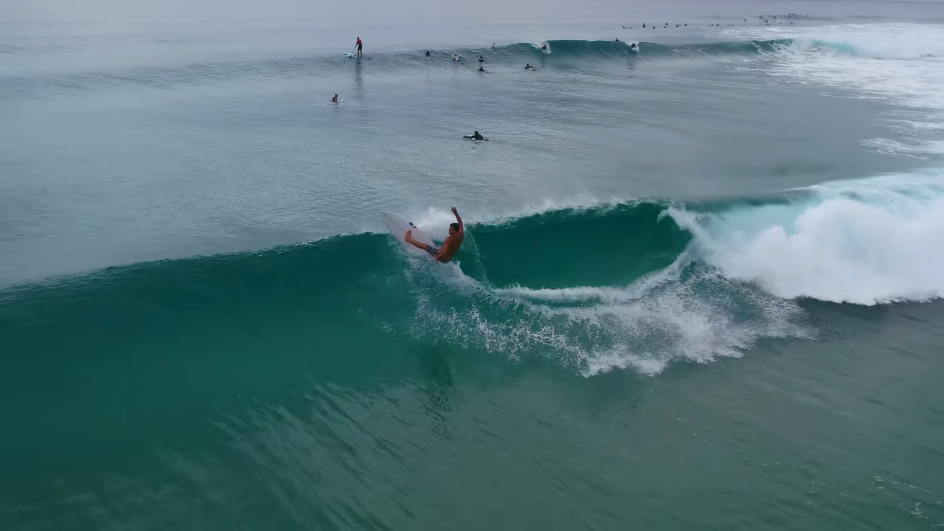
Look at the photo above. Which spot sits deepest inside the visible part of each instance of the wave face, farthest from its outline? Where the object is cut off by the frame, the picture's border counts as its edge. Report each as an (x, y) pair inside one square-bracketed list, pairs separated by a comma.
[(637, 284)]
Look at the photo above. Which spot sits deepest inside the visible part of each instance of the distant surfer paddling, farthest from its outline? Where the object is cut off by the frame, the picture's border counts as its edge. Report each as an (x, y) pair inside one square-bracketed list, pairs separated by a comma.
[(450, 246)]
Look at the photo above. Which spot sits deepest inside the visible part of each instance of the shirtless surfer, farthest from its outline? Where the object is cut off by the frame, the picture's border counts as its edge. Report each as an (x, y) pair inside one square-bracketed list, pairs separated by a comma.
[(450, 246)]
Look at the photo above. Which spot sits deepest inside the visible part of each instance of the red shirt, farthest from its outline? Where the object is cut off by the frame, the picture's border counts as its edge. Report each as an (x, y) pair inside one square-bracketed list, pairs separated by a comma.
[(358, 41)]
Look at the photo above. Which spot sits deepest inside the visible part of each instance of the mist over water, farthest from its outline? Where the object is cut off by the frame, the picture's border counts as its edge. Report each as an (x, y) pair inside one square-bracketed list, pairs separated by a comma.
[(700, 284)]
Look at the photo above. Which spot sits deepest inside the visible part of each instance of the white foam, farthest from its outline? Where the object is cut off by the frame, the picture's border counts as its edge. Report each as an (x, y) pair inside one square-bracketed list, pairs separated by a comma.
[(644, 326), (864, 242), (609, 295), (877, 41), (918, 149), (902, 64)]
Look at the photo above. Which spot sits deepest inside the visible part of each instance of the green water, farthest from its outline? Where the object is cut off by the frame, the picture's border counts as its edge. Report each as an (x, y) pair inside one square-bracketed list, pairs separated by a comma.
[(700, 287)]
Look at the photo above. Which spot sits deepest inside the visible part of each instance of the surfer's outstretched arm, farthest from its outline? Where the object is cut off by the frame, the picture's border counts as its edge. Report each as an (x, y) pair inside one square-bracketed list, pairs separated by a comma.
[(459, 219)]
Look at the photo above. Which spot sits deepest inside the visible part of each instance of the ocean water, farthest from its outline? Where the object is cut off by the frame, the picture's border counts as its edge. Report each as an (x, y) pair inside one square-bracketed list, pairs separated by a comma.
[(700, 287)]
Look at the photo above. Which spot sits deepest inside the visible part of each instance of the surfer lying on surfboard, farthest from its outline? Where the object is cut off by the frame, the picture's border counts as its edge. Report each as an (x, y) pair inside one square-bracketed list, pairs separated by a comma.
[(450, 246)]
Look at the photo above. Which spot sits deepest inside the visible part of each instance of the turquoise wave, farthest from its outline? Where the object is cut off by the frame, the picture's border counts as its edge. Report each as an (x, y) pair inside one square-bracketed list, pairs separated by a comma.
[(635, 284), (571, 285), (601, 246)]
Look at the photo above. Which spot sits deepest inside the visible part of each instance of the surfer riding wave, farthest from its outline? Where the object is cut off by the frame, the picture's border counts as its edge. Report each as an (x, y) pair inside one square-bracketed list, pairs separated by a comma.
[(450, 246)]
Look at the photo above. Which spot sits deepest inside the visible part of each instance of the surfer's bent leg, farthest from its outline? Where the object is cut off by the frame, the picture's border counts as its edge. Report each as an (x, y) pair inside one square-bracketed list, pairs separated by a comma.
[(408, 238)]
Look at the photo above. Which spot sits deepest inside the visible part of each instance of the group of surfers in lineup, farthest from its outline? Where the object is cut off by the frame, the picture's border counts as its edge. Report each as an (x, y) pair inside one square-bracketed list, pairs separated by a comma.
[(457, 230), (359, 49), (458, 59), (763, 18)]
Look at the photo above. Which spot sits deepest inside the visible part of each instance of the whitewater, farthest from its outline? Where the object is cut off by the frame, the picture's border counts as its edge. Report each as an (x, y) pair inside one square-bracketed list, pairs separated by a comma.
[(700, 285)]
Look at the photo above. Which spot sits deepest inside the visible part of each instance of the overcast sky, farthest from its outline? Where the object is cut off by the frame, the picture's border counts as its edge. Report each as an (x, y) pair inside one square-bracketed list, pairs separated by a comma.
[(143, 10), (323, 12)]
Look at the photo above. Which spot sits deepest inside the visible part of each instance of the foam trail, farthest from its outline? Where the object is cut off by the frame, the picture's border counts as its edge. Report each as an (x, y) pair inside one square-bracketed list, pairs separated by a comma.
[(609, 295), (864, 242), (671, 315)]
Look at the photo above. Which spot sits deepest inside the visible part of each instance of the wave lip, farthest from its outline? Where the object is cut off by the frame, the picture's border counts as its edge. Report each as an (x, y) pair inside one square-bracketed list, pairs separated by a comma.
[(864, 242)]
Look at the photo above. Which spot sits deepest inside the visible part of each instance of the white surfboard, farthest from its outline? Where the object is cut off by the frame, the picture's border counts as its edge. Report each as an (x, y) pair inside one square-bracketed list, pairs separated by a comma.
[(398, 225)]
